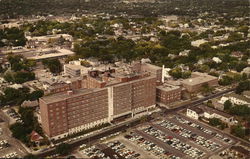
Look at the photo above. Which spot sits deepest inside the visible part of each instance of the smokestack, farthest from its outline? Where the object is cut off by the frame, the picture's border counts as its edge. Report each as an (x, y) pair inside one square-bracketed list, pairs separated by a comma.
[(162, 74)]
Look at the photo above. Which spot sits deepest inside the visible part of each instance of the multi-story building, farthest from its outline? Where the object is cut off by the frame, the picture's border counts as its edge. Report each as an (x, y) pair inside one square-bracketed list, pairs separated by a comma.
[(166, 94), (105, 96), (66, 86), (69, 112), (72, 70)]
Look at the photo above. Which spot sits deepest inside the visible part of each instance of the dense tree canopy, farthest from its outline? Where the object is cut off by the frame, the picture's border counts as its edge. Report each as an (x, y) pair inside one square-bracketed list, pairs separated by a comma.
[(12, 37), (17, 96), (243, 86), (227, 105), (238, 131), (54, 65)]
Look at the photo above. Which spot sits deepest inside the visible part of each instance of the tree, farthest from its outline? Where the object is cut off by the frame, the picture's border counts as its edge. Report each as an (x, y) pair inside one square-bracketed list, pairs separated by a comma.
[(18, 63), (186, 74), (240, 66), (227, 105), (226, 80), (210, 103), (176, 73), (206, 89), (8, 77), (20, 132), (238, 131), (23, 76), (27, 116), (54, 65), (240, 110), (214, 121), (63, 149), (243, 86), (36, 95), (13, 96), (218, 123)]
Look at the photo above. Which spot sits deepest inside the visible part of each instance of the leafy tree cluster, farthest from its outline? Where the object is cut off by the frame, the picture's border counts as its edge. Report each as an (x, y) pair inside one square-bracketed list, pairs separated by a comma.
[(243, 111), (54, 65), (15, 8), (22, 131), (19, 77), (12, 37), (228, 105), (18, 63), (21, 69), (234, 78), (206, 89), (174, 41), (178, 73), (217, 123), (243, 86), (17, 96), (107, 50), (238, 130), (122, 48), (83, 28), (240, 110), (226, 64)]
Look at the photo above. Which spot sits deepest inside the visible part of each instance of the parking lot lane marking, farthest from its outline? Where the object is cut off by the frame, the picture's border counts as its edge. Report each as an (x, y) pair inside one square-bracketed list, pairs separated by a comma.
[(198, 132), (183, 139), (161, 144), (212, 129)]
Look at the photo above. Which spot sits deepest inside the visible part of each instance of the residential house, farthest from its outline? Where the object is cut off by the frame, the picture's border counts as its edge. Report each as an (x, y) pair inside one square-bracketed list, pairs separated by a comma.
[(35, 137), (208, 113), (236, 99), (195, 112)]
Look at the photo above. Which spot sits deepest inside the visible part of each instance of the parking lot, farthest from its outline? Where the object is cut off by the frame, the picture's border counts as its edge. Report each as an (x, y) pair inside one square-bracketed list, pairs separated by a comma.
[(171, 137), (185, 138), (13, 115), (9, 147)]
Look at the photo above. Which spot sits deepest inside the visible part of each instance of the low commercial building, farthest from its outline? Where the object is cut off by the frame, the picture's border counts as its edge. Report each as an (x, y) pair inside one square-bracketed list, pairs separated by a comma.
[(166, 94), (197, 80), (208, 113), (213, 113)]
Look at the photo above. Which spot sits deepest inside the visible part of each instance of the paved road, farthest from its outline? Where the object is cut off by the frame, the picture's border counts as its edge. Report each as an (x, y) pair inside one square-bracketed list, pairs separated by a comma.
[(124, 126), (92, 138)]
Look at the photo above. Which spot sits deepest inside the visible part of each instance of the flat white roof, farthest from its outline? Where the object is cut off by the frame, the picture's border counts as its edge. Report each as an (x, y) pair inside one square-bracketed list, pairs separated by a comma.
[(61, 52)]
